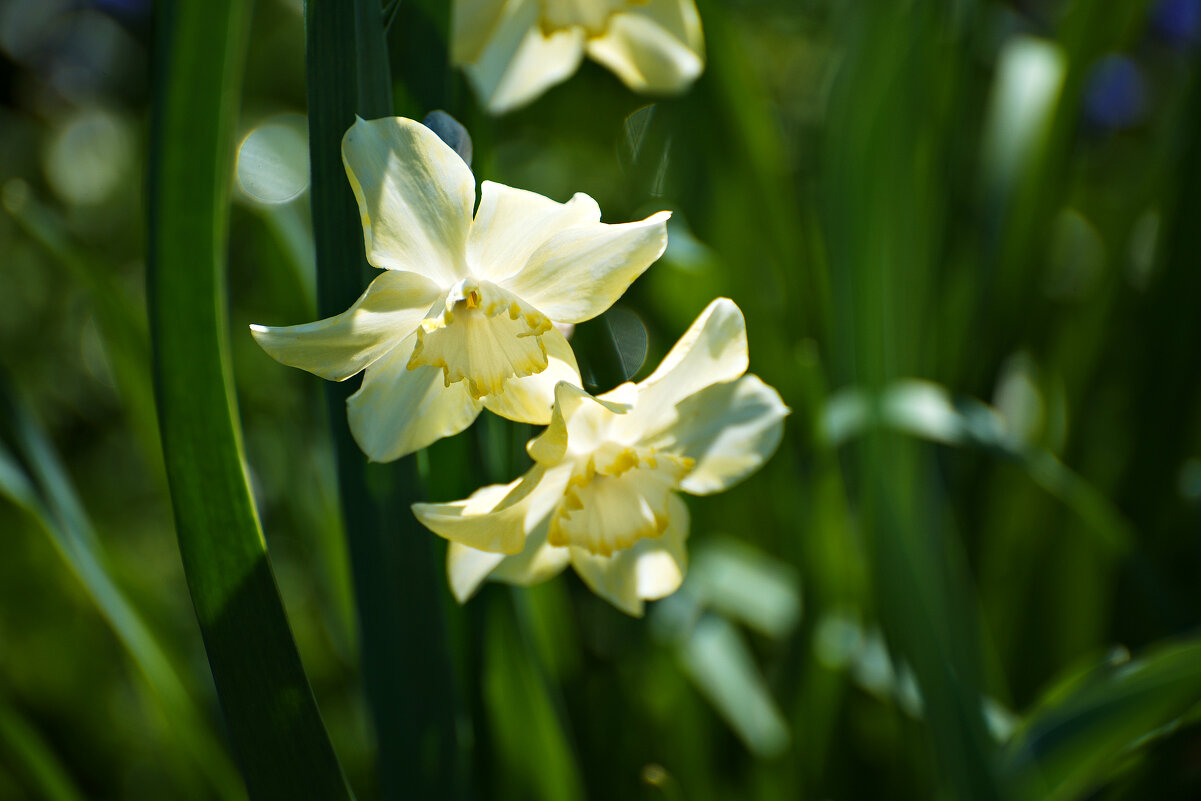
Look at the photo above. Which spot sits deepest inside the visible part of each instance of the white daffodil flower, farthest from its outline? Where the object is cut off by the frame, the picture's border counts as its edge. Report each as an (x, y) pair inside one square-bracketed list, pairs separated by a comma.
[(463, 315), (601, 494), (514, 50)]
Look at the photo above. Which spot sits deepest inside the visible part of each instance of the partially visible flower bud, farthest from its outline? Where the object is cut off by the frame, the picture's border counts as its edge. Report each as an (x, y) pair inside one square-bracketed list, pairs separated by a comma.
[(450, 131)]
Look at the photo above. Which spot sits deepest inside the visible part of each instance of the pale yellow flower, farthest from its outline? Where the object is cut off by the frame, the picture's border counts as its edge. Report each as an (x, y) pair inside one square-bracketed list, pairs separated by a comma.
[(514, 50), (601, 495), (462, 316)]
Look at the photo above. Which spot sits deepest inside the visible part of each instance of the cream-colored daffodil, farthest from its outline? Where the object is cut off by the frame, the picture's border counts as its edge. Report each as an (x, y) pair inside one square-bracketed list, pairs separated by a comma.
[(601, 495), (462, 316), (514, 50)]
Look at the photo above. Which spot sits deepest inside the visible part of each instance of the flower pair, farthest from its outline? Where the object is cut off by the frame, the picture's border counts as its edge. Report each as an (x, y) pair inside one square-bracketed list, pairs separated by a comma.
[(513, 50), (462, 318), (601, 495)]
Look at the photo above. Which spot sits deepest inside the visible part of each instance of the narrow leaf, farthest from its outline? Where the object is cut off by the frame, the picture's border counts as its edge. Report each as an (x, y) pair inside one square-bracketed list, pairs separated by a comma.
[(273, 722), (34, 479), (1073, 740)]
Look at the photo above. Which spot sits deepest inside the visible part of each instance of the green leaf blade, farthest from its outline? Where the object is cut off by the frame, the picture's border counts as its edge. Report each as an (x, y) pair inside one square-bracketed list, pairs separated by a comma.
[(274, 726)]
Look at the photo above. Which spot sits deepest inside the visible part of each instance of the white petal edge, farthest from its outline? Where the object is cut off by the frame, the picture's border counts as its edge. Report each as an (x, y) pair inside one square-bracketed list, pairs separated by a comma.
[(468, 568), (652, 569), (540, 561), (518, 63), (415, 196), (512, 223), (678, 17), (645, 55), (398, 411), (529, 399), (337, 347), (713, 350), (504, 527), (730, 430), (581, 271)]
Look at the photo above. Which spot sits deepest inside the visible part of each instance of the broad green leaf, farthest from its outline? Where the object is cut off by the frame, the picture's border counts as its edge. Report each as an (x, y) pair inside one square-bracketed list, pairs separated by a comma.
[(271, 715)]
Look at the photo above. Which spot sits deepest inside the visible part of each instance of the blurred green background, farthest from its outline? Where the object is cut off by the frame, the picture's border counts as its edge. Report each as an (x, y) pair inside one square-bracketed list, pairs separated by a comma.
[(965, 238)]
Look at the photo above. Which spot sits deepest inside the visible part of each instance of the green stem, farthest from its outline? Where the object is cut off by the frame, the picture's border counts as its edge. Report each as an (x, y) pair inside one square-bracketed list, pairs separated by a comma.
[(407, 669)]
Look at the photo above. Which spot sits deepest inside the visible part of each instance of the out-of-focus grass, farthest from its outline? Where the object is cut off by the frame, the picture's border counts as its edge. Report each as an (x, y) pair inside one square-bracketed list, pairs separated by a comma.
[(995, 198)]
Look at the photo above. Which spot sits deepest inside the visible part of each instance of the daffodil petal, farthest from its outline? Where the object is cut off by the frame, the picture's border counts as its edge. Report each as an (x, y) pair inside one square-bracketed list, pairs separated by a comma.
[(338, 347), (645, 55), (529, 399), (678, 17), (472, 23), (503, 528), (581, 271), (468, 568), (398, 411), (651, 569), (519, 61), (483, 337), (537, 562), (729, 430), (713, 350), (577, 419), (512, 223), (415, 195)]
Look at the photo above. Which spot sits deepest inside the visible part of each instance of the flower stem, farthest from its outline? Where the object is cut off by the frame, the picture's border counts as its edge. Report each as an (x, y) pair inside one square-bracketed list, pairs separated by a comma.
[(407, 670)]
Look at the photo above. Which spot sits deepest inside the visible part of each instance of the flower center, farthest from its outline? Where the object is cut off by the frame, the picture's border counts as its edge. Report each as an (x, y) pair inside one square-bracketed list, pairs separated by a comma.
[(618, 497), (483, 335)]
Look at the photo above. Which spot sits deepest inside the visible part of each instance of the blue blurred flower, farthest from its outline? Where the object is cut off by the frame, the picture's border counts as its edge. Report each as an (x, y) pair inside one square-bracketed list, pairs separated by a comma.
[(1177, 22), (1115, 94)]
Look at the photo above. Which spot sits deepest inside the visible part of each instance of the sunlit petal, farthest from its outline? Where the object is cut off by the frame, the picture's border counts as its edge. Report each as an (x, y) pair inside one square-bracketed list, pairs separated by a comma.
[(415, 195), (679, 18), (713, 350), (338, 347), (483, 336), (651, 569), (729, 430), (512, 223), (529, 399), (520, 61), (581, 271), (645, 55), (398, 411), (501, 525), (577, 419), (467, 568), (538, 562)]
